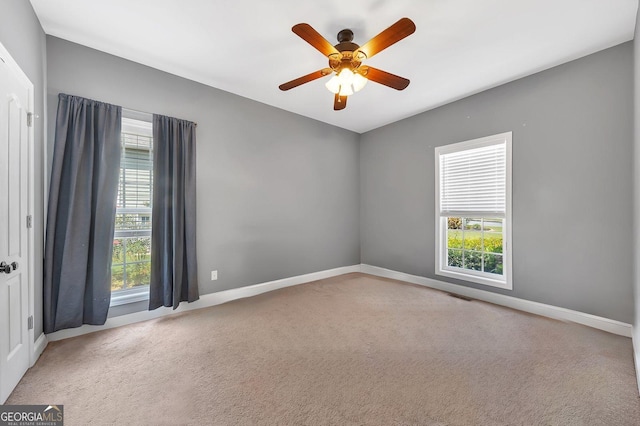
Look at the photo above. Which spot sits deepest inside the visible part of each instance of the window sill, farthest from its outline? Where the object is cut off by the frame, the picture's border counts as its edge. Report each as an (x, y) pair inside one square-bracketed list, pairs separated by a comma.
[(133, 295), (474, 278)]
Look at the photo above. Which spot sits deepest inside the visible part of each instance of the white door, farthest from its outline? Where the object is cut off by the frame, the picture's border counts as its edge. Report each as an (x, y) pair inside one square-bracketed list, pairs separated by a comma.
[(14, 268)]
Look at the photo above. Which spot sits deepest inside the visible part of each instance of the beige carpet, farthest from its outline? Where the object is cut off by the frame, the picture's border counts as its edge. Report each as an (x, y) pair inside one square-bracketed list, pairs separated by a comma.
[(349, 350)]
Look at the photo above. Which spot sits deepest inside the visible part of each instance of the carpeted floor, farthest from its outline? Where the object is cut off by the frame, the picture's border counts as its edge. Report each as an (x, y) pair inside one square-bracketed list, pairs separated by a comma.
[(349, 350)]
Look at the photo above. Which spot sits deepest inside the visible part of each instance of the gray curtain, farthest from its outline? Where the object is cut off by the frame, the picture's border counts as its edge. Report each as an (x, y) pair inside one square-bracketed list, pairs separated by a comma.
[(174, 269), (81, 213)]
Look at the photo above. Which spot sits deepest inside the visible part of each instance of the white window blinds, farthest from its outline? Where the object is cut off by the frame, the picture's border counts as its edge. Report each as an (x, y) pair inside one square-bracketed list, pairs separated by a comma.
[(473, 181), (135, 188)]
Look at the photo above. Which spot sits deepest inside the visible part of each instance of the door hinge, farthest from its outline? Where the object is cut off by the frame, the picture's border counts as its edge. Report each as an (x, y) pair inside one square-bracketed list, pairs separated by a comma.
[(29, 119), (30, 322), (29, 221)]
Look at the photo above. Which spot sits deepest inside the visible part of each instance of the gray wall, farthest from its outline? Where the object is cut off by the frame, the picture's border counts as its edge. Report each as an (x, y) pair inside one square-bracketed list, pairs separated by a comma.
[(572, 183), (22, 36), (277, 192)]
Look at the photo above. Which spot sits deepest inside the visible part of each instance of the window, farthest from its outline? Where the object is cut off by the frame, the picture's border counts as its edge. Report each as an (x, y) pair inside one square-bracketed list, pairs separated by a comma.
[(131, 257), (473, 210)]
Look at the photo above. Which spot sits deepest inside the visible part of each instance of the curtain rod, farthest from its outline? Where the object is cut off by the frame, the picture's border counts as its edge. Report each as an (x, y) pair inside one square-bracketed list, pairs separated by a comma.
[(135, 111)]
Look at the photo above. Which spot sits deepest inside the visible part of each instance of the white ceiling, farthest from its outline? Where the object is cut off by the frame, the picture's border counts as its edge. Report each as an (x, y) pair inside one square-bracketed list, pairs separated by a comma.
[(246, 47)]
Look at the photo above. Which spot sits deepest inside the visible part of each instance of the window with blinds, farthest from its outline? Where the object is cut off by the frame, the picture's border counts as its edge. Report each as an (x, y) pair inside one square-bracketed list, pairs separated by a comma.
[(473, 210), (131, 258)]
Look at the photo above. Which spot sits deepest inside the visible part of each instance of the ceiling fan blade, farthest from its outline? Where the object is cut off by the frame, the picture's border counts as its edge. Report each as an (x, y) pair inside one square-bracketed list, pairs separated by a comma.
[(311, 36), (396, 32), (339, 102), (385, 78), (305, 79)]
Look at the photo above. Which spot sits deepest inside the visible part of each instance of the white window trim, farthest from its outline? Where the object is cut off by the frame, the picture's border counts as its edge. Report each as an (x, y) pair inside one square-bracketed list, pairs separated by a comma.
[(440, 223)]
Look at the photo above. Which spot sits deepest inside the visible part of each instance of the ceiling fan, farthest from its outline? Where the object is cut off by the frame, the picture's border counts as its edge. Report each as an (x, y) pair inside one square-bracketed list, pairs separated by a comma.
[(346, 57)]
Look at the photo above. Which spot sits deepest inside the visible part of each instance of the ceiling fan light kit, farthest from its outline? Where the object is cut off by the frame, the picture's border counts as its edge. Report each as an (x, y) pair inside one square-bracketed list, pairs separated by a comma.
[(346, 82), (346, 57)]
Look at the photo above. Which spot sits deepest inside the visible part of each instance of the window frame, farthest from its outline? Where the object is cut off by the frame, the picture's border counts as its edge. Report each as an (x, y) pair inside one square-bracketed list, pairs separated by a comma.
[(139, 293), (441, 255)]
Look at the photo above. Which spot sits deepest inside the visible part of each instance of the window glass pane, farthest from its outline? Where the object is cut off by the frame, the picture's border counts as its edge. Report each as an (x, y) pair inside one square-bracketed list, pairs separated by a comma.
[(118, 251), (472, 260), (133, 221), (138, 249), (493, 235), (493, 263), (138, 274), (472, 224), (117, 277), (454, 232), (131, 263), (472, 233), (454, 223), (475, 243), (454, 258)]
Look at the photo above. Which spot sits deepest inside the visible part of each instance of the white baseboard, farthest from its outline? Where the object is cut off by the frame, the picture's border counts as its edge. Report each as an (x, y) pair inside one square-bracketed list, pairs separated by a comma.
[(212, 299), (38, 347), (205, 301), (550, 311)]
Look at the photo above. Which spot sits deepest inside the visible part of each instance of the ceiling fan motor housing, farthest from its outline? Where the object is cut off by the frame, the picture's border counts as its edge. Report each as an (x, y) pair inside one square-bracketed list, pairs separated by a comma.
[(346, 47)]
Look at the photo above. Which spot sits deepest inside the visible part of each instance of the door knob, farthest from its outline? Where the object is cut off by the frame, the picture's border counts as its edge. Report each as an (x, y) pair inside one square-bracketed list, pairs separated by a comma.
[(4, 267), (14, 265)]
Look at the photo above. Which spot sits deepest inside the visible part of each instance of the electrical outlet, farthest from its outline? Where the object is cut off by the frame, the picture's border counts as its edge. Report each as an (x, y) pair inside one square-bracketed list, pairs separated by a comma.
[(214, 275)]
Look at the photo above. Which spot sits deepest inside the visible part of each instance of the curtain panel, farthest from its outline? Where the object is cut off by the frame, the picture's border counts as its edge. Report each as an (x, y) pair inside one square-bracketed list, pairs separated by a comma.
[(81, 213), (174, 269)]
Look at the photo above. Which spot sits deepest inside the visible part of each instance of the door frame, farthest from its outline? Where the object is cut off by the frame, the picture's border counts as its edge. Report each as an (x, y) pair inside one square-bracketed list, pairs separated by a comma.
[(15, 68)]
